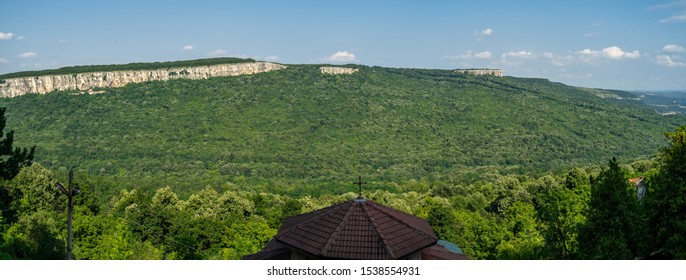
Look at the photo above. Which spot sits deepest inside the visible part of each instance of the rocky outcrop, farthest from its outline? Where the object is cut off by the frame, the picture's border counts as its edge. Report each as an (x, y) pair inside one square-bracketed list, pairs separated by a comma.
[(337, 70), (84, 81), (479, 72)]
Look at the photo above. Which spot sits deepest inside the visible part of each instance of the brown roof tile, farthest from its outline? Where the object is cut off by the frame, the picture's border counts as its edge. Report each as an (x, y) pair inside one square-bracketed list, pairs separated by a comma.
[(274, 250), (357, 229), (438, 252)]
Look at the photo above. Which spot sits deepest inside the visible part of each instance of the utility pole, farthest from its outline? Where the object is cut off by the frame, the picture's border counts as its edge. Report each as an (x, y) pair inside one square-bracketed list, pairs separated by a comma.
[(70, 207)]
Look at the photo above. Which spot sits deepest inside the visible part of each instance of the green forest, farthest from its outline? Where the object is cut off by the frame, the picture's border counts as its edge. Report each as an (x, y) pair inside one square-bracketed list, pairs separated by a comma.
[(507, 168)]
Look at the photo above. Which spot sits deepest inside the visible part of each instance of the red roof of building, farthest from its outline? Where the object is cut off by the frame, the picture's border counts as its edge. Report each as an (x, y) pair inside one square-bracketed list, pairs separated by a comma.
[(357, 229), (274, 250), (438, 252), (636, 180)]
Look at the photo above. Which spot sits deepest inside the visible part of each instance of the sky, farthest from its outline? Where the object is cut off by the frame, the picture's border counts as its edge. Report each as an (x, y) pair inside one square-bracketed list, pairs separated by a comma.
[(629, 45)]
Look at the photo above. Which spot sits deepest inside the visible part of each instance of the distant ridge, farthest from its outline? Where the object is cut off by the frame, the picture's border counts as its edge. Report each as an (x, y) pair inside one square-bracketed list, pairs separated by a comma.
[(129, 66), (85, 78)]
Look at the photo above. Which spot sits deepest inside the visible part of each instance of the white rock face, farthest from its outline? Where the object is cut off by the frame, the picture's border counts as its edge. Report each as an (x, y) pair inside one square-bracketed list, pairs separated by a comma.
[(337, 70), (84, 81), (479, 72)]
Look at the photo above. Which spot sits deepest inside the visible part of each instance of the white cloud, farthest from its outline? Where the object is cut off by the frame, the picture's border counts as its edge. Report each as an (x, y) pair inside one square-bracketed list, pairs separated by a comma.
[(681, 17), (217, 53), (342, 56), (519, 54), (614, 52), (559, 60), (666, 60), (6, 36), (187, 48), (671, 5), (480, 35), (466, 55), (3, 60), (469, 55), (483, 55), (675, 7), (516, 58), (21, 38), (586, 52), (672, 49), (28, 55)]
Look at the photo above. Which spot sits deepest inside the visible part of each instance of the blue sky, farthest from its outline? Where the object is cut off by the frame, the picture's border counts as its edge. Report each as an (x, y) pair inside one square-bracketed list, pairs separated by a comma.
[(605, 44)]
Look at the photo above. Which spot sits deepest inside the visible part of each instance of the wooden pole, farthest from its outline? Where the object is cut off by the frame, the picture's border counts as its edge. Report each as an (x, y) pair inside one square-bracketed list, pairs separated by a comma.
[(70, 191), (70, 209)]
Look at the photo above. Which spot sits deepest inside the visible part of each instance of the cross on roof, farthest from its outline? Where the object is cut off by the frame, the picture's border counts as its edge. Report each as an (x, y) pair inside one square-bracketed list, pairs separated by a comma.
[(359, 183)]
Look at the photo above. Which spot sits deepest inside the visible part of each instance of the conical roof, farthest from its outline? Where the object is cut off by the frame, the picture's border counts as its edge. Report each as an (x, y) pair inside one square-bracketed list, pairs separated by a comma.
[(357, 229)]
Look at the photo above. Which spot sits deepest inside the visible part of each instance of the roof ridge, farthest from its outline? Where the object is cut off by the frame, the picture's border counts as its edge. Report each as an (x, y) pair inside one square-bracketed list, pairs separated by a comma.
[(338, 229), (381, 236), (305, 222), (395, 217)]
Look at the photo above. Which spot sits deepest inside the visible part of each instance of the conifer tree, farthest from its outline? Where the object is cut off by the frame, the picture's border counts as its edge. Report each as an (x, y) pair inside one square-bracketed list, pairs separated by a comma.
[(613, 228), (666, 199), (11, 160)]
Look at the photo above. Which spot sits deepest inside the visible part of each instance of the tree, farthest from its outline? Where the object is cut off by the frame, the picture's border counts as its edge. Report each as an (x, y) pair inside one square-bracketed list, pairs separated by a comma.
[(204, 203), (442, 221), (11, 160), (510, 190), (665, 199), (34, 236), (563, 211), (562, 208), (479, 234), (523, 237), (33, 189), (613, 229)]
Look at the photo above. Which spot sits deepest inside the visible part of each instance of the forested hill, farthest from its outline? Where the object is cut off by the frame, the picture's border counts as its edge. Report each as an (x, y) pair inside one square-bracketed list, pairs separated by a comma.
[(300, 131)]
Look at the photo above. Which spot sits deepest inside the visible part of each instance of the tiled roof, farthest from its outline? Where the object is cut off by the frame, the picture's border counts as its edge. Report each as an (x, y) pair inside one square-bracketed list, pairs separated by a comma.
[(274, 250), (441, 252), (357, 229)]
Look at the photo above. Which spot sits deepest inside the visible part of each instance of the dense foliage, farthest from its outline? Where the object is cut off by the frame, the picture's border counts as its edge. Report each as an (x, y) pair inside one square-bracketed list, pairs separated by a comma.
[(509, 217), (130, 66), (298, 132), (507, 168)]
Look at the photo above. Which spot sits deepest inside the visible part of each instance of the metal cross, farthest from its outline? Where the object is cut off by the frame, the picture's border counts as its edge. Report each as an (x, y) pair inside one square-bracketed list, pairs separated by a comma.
[(359, 183)]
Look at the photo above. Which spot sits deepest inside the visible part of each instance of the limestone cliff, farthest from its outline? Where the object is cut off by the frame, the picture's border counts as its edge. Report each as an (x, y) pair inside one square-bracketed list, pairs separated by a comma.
[(337, 70), (84, 81), (478, 72)]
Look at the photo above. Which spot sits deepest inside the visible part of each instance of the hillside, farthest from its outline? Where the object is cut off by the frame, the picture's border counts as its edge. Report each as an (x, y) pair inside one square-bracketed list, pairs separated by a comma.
[(300, 131)]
